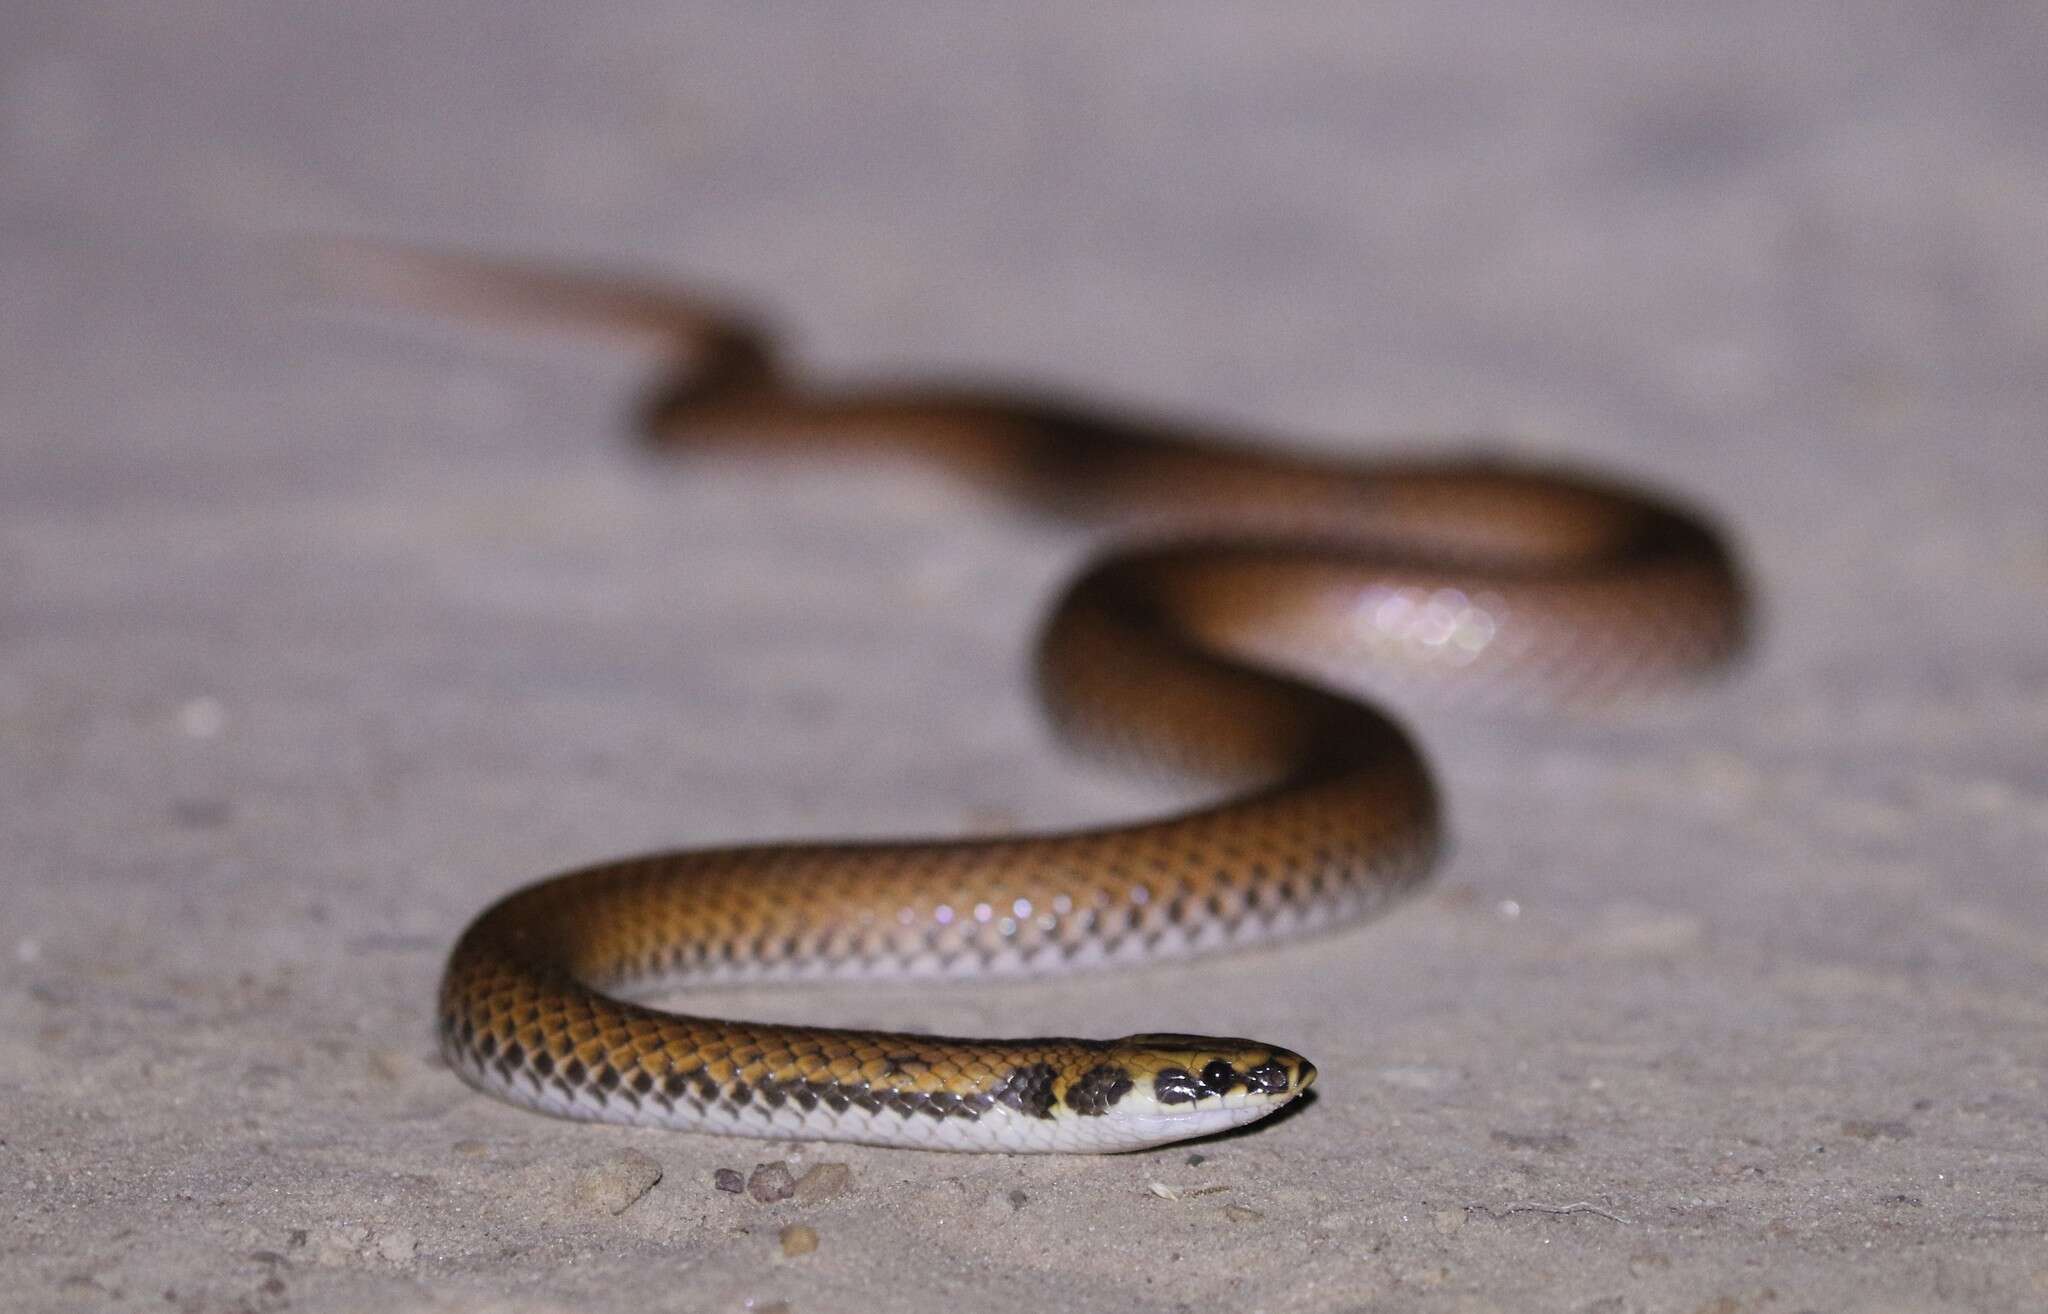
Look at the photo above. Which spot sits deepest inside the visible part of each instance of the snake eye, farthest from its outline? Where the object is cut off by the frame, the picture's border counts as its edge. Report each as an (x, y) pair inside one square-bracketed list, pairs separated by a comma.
[(1219, 1076)]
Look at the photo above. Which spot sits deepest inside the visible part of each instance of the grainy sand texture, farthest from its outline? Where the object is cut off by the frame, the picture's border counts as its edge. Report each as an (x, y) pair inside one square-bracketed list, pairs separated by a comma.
[(319, 629)]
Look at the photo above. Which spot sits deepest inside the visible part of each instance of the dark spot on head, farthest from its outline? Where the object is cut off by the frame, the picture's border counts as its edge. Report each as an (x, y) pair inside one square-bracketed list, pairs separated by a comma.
[(1270, 1077), (1097, 1089), (1177, 1086), (1027, 1089)]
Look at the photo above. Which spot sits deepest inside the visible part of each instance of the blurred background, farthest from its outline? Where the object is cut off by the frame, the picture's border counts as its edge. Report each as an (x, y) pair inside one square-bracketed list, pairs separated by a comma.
[(320, 627)]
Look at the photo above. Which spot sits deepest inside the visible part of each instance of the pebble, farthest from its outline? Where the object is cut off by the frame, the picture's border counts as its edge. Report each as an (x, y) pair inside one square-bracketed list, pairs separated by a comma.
[(616, 1183), (1018, 1199), (1241, 1214), (771, 1182), (729, 1179), (825, 1181), (798, 1239)]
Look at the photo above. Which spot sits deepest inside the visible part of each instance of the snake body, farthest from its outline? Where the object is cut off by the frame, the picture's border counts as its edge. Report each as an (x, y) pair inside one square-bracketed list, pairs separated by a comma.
[(1236, 645)]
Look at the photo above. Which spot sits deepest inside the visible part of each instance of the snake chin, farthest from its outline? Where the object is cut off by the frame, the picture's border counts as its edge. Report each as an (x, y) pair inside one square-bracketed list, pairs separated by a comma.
[(1150, 1124)]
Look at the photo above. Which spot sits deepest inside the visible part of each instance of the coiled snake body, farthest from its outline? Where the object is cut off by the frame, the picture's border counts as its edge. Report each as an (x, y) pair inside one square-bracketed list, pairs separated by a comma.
[(1232, 646)]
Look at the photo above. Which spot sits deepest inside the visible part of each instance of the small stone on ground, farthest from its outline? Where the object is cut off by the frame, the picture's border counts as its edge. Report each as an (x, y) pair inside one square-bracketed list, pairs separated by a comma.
[(771, 1182)]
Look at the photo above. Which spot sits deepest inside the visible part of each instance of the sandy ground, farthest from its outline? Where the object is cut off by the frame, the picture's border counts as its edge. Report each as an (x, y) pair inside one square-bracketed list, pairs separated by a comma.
[(316, 633)]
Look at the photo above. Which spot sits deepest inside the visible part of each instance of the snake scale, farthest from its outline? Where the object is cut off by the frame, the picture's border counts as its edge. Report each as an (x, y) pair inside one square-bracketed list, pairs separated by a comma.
[(1234, 642)]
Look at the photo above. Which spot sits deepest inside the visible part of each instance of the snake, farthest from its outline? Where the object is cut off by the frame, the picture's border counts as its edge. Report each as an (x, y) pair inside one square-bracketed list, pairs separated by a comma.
[(1254, 611)]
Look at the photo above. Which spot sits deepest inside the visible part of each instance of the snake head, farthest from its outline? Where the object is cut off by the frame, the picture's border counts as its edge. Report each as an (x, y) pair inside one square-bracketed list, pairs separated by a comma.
[(1170, 1087)]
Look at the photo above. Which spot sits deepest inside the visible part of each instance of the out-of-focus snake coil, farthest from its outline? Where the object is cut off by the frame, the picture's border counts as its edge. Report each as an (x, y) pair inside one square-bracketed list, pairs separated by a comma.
[(1270, 590)]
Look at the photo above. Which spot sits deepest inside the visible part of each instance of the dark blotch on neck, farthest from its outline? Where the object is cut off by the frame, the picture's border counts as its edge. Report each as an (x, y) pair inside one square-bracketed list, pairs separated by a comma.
[(1097, 1089)]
